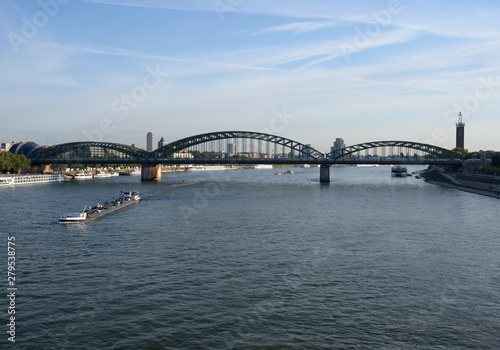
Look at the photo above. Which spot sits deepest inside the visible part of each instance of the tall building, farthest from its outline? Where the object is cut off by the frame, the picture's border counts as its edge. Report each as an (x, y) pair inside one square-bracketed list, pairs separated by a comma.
[(306, 149), (460, 131), (162, 143), (231, 149), (150, 141), (338, 144)]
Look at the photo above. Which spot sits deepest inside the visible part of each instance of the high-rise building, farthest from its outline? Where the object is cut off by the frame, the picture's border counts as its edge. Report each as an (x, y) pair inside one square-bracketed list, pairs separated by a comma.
[(162, 143), (460, 131), (337, 145), (306, 151), (150, 141), (231, 149)]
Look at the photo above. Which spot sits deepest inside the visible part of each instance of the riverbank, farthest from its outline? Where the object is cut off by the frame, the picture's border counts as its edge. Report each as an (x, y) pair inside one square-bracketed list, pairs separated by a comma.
[(479, 184)]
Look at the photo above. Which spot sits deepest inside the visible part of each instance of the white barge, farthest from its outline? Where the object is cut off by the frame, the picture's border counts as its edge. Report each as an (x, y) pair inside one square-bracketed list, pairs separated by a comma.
[(92, 213), (29, 179)]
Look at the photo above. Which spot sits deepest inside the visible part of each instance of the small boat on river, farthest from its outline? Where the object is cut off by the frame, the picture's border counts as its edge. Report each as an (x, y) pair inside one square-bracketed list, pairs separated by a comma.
[(288, 172)]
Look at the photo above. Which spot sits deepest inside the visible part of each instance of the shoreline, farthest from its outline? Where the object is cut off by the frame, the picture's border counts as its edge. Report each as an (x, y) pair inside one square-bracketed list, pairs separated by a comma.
[(471, 184)]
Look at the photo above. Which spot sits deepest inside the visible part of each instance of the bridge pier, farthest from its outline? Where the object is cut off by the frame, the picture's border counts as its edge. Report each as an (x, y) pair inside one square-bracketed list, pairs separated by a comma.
[(151, 172), (324, 173)]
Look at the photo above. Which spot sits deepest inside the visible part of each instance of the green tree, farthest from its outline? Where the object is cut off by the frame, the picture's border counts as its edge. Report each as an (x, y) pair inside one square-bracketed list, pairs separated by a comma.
[(13, 162), (463, 152), (489, 154)]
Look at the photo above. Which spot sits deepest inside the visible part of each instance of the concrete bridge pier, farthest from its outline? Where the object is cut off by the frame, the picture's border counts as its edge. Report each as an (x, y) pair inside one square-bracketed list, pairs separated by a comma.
[(151, 172), (324, 173)]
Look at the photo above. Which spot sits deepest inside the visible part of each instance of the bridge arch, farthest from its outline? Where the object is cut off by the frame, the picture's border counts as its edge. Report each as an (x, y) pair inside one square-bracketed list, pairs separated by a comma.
[(396, 146), (90, 149), (177, 146)]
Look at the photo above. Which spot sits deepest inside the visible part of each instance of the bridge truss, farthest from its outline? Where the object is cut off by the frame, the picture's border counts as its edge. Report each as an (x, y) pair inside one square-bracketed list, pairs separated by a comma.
[(237, 145), (392, 150), (242, 147), (89, 152), (224, 147)]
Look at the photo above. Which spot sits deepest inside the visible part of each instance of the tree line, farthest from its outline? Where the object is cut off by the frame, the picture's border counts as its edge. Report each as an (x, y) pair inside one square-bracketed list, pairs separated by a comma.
[(465, 154), (13, 163)]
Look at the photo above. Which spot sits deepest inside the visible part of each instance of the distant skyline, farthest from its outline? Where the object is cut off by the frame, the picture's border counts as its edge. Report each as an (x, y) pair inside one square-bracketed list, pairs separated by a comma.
[(312, 71)]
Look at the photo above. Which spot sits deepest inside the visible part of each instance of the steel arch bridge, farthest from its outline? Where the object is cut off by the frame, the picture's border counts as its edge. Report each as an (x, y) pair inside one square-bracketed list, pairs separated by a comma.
[(102, 150), (169, 150), (199, 149), (398, 148), (108, 152)]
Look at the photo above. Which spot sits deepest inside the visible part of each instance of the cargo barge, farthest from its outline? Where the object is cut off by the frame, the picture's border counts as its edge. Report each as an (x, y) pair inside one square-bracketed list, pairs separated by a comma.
[(93, 213)]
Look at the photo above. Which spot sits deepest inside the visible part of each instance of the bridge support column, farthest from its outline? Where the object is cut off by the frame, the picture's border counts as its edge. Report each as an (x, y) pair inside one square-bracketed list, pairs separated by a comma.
[(324, 173), (151, 172)]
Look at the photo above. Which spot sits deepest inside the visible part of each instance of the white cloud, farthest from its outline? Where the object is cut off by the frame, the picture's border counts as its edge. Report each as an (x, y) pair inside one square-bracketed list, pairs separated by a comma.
[(301, 27)]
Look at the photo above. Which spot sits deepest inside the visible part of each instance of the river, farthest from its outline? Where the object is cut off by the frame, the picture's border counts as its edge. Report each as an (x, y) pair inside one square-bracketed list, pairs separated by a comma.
[(245, 259)]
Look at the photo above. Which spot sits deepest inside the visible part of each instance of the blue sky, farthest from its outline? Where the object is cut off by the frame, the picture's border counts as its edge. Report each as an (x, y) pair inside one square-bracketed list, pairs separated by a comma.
[(307, 70)]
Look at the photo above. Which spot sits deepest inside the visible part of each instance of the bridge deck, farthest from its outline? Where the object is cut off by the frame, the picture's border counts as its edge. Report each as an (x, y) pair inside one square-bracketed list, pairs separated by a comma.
[(243, 161)]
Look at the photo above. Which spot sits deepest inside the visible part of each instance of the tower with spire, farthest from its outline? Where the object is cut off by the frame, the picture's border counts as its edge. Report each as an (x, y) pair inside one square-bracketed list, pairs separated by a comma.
[(162, 143), (460, 131)]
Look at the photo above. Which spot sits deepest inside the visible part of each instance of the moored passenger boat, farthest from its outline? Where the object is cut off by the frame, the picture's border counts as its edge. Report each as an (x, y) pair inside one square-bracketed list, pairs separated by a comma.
[(263, 166), (399, 171), (30, 179), (206, 167), (101, 174), (81, 175)]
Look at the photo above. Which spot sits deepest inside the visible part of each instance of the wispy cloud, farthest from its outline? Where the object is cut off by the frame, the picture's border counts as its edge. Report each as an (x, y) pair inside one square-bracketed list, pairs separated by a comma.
[(301, 27)]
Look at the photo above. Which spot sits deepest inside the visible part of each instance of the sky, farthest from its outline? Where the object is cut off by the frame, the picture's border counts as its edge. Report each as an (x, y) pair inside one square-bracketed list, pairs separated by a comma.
[(311, 71)]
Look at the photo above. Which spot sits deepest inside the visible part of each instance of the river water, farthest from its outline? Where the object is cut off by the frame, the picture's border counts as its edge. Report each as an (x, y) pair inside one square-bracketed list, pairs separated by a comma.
[(245, 259)]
